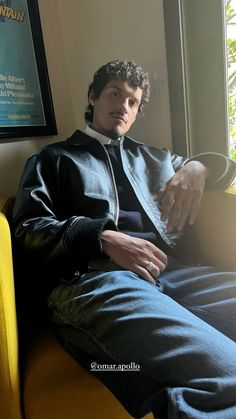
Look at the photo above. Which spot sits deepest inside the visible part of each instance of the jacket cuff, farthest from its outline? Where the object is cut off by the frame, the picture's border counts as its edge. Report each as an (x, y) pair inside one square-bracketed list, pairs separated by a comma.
[(82, 239), (222, 170)]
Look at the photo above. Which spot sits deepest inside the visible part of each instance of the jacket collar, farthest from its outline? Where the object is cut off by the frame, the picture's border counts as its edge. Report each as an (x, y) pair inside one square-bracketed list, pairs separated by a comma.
[(79, 138), (100, 137)]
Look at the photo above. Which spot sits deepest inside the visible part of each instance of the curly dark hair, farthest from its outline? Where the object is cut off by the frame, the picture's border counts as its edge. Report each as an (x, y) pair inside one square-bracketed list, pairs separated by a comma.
[(118, 70)]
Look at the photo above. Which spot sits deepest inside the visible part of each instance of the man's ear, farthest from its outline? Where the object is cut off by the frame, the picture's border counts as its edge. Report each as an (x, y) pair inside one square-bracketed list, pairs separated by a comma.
[(91, 98)]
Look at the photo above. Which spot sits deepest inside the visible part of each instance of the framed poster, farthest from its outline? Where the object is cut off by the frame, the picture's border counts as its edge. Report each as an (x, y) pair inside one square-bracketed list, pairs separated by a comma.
[(26, 107)]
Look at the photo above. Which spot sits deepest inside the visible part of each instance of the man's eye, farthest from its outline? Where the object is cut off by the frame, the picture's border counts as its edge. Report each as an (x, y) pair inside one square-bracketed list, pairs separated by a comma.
[(115, 94), (133, 103)]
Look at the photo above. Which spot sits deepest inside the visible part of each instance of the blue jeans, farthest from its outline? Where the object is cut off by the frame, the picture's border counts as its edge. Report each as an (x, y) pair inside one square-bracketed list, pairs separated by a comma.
[(176, 339)]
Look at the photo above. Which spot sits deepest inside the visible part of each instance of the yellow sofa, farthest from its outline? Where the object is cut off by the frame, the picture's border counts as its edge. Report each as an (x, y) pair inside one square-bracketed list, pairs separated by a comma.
[(51, 384), (9, 368)]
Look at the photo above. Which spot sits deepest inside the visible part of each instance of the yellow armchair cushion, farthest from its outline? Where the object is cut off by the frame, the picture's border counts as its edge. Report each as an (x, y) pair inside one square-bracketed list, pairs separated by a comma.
[(57, 387), (9, 371)]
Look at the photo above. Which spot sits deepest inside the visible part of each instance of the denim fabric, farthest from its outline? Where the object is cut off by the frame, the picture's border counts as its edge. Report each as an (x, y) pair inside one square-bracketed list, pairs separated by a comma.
[(181, 332)]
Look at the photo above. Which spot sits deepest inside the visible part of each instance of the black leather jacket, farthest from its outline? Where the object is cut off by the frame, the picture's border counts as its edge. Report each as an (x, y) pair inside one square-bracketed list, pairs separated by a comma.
[(67, 196)]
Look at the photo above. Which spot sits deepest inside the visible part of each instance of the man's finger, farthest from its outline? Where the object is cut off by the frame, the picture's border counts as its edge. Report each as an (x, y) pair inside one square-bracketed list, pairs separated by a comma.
[(174, 215), (185, 213), (145, 274), (160, 194), (194, 210), (161, 258), (168, 203)]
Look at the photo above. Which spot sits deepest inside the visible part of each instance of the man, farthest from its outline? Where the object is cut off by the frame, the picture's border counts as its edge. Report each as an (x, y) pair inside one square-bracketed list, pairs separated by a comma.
[(103, 214)]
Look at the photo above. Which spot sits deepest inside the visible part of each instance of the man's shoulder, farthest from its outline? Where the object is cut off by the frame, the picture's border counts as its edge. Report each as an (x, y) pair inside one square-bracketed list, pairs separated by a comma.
[(147, 147), (63, 146)]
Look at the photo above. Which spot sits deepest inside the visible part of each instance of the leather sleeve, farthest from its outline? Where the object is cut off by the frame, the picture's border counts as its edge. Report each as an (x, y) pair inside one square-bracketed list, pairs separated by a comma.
[(222, 170), (178, 161), (39, 229)]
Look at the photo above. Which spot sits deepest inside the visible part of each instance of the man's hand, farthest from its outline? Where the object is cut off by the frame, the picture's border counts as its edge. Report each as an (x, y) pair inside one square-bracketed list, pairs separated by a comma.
[(180, 197), (133, 254)]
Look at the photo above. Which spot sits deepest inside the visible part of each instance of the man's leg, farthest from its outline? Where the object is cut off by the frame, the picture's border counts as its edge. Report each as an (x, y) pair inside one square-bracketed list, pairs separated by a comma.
[(207, 293), (187, 368)]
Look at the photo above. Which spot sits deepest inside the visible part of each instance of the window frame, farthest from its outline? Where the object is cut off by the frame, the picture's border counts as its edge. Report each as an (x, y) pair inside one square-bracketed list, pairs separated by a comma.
[(195, 47)]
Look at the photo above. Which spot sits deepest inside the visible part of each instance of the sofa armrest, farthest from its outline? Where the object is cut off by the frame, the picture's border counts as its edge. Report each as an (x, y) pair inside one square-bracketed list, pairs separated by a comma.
[(9, 368)]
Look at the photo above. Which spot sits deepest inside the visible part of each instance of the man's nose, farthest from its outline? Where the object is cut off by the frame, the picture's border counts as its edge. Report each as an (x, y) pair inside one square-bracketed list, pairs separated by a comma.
[(123, 105)]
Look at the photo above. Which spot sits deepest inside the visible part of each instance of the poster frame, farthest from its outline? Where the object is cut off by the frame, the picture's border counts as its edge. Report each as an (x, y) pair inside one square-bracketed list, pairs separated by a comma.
[(49, 127)]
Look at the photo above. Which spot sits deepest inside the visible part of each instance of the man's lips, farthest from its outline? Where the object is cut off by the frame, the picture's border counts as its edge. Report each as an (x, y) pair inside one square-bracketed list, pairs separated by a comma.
[(118, 117)]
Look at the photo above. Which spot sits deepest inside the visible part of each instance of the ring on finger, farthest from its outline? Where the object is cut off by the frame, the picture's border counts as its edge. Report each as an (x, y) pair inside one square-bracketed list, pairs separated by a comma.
[(150, 266)]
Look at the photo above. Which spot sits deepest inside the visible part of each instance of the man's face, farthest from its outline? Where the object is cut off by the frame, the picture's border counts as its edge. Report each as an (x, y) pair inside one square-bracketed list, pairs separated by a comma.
[(116, 108)]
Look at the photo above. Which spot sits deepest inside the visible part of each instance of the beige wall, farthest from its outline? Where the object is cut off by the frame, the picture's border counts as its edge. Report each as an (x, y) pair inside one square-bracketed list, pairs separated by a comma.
[(79, 36)]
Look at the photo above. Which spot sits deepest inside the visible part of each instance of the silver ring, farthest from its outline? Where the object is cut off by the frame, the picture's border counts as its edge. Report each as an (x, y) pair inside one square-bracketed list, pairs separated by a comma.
[(150, 266)]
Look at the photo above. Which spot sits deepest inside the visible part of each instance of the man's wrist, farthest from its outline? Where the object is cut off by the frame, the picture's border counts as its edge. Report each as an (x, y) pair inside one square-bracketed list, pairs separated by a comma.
[(199, 166), (106, 238)]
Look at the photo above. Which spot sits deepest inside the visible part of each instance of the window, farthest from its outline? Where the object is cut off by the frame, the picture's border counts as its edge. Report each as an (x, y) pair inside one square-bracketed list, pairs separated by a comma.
[(196, 50), (230, 27)]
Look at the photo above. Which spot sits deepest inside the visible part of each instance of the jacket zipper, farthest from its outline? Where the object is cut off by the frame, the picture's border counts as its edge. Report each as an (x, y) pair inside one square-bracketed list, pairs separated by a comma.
[(114, 185)]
